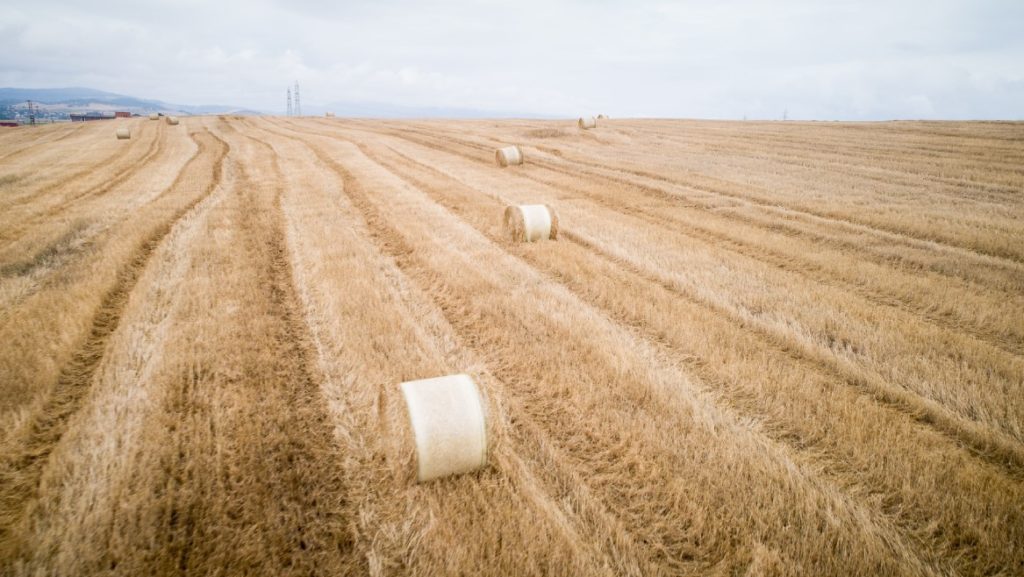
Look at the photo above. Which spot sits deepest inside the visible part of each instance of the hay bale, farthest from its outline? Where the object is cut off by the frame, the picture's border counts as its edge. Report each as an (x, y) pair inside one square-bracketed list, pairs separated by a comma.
[(508, 155), (172, 120), (123, 134), (531, 222), (587, 122), (154, 116), (444, 432), (329, 114)]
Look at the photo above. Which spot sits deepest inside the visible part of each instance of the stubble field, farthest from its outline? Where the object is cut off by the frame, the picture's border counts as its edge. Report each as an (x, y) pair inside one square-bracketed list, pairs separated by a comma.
[(755, 348)]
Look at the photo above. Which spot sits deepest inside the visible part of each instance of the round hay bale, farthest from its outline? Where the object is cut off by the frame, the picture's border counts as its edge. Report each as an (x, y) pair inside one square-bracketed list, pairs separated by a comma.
[(172, 120), (531, 222), (508, 155), (587, 122), (444, 430), (329, 114), (123, 134), (154, 116)]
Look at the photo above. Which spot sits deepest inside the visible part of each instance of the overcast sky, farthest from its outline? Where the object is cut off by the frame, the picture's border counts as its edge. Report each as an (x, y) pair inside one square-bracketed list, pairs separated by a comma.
[(726, 59)]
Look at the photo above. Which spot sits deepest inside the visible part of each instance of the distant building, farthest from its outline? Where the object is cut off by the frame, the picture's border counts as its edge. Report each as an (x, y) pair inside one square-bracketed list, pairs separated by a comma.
[(84, 117), (120, 114)]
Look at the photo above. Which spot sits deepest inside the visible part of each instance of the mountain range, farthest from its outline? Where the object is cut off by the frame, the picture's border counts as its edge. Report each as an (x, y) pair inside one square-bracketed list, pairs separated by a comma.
[(58, 103)]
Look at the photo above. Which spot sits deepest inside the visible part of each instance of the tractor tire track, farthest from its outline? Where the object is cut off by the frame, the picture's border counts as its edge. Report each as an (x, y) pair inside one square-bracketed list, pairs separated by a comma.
[(558, 484), (762, 199), (23, 463), (42, 141), (989, 445), (392, 243), (810, 451), (981, 331), (997, 450), (990, 156), (1009, 343), (15, 233), (120, 156), (536, 407), (865, 166), (1008, 278), (993, 446), (302, 469), (719, 187)]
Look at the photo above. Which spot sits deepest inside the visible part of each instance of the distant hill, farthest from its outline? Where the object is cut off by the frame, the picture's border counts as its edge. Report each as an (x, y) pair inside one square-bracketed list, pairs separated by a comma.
[(60, 102)]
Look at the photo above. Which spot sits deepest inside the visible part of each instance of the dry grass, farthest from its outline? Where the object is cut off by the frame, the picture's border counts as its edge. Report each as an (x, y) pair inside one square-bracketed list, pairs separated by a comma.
[(756, 348)]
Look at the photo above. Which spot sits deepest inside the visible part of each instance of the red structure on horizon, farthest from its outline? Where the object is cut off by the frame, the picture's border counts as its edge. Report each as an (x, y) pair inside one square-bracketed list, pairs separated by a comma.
[(122, 114)]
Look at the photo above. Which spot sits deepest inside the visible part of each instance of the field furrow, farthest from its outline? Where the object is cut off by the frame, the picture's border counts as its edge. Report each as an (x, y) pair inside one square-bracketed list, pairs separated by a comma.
[(85, 226), (28, 447), (755, 348), (134, 164), (101, 157), (764, 185), (61, 318), (661, 400), (870, 244), (15, 147), (795, 414), (712, 179), (385, 315), (954, 305), (849, 344), (918, 167)]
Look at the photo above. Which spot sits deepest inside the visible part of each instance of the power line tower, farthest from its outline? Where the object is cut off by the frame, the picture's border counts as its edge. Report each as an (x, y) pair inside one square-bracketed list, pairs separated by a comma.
[(289, 102), (32, 111), (298, 106)]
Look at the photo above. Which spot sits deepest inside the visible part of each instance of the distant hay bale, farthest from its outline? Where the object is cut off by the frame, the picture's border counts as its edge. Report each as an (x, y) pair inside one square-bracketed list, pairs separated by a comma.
[(172, 120), (587, 122), (329, 114), (154, 116), (123, 134), (444, 430), (508, 155), (531, 222)]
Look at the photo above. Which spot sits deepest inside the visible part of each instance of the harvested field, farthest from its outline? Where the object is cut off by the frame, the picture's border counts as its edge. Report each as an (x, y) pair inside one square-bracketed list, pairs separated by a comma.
[(754, 349)]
